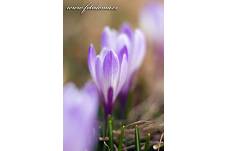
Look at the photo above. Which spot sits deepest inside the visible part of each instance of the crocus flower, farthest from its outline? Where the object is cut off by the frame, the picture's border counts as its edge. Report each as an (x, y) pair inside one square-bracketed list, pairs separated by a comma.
[(80, 109), (109, 72), (133, 42), (152, 22)]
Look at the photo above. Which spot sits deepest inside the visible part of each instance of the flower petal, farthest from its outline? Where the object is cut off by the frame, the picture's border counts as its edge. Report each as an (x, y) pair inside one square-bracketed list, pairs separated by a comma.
[(126, 28), (123, 73), (111, 69), (122, 52), (109, 38), (91, 60), (138, 49), (99, 73), (122, 41)]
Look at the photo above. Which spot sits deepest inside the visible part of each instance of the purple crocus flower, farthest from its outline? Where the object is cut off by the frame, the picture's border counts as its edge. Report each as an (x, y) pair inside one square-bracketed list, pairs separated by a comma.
[(133, 42), (80, 109), (109, 72), (152, 22)]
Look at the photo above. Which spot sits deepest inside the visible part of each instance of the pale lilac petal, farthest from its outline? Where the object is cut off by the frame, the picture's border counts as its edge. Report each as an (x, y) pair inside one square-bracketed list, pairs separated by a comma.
[(122, 52), (111, 69), (152, 21), (138, 50), (91, 61), (103, 53), (80, 109), (99, 73), (106, 34), (123, 73), (126, 28), (122, 41), (109, 38), (91, 89)]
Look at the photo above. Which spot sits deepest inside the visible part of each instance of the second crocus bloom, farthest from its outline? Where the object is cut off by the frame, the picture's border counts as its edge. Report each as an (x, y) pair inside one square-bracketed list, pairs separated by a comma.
[(133, 42)]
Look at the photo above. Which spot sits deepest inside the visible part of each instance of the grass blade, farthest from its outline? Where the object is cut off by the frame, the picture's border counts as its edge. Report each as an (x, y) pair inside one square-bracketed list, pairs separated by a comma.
[(147, 144), (110, 133), (121, 138), (137, 138)]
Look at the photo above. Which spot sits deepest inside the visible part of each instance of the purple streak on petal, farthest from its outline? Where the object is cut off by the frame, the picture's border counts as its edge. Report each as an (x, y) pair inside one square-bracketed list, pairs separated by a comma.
[(110, 101), (110, 70), (122, 52), (110, 95), (126, 28)]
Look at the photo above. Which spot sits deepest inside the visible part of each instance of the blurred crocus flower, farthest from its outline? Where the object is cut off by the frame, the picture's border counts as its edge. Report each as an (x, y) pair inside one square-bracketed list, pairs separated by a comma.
[(152, 22), (131, 41), (109, 71), (80, 110)]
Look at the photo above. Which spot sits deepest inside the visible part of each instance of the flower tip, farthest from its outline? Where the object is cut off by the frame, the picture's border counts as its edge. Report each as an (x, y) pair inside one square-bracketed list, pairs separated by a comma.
[(106, 28), (139, 31), (91, 51), (91, 46)]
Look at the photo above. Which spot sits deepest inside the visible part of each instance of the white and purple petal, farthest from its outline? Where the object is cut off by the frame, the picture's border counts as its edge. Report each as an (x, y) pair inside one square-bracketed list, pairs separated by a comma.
[(109, 37), (122, 41), (138, 50), (80, 115), (152, 21), (111, 69), (99, 73), (123, 73), (91, 61), (122, 52), (125, 28)]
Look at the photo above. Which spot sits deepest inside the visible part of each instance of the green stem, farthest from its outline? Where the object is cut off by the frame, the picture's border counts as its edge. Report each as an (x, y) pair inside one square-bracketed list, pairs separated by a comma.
[(137, 138), (147, 144), (110, 133), (121, 138)]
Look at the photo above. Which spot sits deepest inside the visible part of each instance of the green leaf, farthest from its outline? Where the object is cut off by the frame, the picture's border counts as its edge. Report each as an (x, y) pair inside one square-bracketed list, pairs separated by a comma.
[(121, 138), (110, 133), (147, 144), (137, 138)]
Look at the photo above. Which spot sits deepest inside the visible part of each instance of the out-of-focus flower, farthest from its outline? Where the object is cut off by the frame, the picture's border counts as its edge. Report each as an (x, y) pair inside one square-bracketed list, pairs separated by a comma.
[(109, 72), (80, 111), (135, 43), (152, 22)]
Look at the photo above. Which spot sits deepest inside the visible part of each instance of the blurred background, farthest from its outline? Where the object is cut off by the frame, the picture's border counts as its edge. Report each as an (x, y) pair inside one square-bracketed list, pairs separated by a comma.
[(147, 100)]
